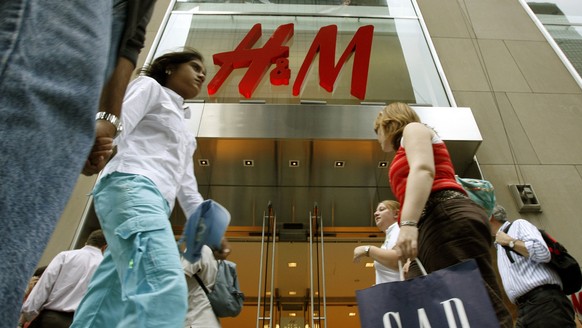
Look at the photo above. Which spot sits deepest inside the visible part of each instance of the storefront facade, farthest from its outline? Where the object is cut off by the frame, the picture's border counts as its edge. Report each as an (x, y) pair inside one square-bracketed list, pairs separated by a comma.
[(482, 73)]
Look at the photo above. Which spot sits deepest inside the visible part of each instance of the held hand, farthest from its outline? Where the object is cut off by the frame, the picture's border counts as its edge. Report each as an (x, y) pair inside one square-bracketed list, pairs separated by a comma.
[(407, 244), (99, 156), (102, 148)]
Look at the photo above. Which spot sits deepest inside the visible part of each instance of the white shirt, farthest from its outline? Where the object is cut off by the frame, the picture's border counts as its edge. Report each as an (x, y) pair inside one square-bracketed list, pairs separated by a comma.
[(156, 143), (524, 274), (383, 273), (200, 313), (64, 282)]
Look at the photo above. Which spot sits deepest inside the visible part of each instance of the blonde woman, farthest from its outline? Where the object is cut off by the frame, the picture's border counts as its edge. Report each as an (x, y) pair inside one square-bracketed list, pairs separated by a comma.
[(438, 221), (385, 257)]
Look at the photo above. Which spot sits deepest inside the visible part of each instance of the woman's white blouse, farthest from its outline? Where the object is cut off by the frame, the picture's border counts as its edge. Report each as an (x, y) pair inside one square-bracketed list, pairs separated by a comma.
[(156, 143)]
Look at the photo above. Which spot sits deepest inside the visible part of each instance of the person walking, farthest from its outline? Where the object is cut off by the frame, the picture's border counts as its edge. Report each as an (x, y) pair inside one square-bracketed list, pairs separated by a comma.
[(534, 287), (57, 294), (140, 282), (385, 257), (56, 64), (439, 223), (200, 313)]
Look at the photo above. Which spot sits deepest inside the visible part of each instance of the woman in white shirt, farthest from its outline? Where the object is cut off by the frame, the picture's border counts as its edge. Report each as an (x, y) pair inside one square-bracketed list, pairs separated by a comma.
[(385, 258), (140, 282)]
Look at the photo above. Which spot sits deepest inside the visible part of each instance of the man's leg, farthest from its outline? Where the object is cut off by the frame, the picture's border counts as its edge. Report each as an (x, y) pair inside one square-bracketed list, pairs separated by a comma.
[(547, 308), (53, 57)]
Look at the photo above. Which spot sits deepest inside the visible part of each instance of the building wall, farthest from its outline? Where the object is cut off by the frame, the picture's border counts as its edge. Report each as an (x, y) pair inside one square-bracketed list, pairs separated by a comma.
[(527, 105)]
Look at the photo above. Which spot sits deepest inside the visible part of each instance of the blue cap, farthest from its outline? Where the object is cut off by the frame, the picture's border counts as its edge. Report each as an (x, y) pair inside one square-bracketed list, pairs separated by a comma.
[(206, 226)]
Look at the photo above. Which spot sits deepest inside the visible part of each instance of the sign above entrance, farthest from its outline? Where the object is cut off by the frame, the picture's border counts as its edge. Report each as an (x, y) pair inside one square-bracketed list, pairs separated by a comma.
[(259, 60), (295, 59)]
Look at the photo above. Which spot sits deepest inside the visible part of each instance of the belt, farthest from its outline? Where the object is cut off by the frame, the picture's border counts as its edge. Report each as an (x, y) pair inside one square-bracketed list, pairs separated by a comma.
[(63, 313), (523, 298), (438, 197)]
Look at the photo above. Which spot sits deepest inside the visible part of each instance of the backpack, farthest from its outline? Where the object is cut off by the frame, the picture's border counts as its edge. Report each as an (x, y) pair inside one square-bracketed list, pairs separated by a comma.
[(562, 262), (225, 298), (480, 191)]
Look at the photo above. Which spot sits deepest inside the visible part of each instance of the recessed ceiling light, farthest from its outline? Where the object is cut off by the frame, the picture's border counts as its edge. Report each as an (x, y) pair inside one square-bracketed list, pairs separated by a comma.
[(292, 264), (370, 265), (292, 314), (352, 314), (203, 162), (248, 162), (292, 293), (268, 293), (382, 164), (294, 163), (339, 164)]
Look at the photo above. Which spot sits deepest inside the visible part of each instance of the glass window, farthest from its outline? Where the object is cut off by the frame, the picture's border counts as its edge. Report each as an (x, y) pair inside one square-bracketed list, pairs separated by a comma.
[(401, 67), (563, 21)]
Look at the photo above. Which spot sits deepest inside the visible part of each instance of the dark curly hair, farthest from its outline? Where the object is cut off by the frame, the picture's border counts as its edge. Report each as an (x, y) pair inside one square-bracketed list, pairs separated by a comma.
[(170, 61)]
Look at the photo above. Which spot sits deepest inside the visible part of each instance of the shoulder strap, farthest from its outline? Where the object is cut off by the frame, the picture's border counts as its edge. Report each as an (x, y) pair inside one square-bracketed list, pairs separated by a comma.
[(507, 249), (201, 283)]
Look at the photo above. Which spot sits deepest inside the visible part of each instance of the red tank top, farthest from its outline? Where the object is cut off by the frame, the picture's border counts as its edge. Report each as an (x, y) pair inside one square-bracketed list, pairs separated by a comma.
[(444, 177)]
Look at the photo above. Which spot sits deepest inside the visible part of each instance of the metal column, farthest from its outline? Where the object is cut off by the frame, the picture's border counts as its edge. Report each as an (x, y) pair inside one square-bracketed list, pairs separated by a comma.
[(269, 224), (315, 228)]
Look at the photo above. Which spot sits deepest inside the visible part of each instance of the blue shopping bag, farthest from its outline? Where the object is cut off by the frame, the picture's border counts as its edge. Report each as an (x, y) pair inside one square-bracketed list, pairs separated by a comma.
[(451, 297)]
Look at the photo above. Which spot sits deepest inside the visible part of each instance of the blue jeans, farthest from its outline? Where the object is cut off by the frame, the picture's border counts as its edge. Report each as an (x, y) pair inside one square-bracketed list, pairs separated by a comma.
[(53, 59), (140, 282)]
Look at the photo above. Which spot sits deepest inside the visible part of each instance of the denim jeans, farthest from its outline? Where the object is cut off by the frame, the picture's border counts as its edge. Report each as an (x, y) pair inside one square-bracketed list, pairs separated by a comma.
[(140, 282), (53, 59)]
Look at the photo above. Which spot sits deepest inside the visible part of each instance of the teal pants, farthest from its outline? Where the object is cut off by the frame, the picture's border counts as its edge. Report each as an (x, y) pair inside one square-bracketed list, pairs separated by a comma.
[(140, 282)]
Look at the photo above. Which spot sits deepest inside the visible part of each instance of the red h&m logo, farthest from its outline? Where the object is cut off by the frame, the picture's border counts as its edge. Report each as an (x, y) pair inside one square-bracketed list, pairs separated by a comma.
[(259, 60)]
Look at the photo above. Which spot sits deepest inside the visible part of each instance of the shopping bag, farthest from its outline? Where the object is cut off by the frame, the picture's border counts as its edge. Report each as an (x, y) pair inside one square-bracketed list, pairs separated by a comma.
[(451, 297)]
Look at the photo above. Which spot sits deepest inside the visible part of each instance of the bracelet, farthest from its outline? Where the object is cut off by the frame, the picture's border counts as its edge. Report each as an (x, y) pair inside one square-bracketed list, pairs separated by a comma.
[(111, 118), (409, 223)]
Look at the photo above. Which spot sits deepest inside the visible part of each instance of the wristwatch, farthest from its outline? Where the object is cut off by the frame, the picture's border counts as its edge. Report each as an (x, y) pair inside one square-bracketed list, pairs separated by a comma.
[(511, 243), (367, 249), (111, 118)]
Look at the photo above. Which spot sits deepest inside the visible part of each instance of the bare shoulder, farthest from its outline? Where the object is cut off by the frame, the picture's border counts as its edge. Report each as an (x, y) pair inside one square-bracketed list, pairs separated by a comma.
[(416, 129)]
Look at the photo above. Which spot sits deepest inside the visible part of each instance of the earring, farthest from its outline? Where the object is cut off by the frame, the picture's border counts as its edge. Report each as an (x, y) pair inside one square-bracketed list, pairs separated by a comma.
[(169, 72)]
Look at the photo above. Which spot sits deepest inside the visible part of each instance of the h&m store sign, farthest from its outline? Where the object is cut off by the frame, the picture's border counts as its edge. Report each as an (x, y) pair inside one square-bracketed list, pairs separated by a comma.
[(272, 58)]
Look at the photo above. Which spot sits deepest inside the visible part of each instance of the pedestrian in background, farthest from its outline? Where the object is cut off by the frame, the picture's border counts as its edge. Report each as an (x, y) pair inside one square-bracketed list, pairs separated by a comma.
[(385, 257), (54, 299), (529, 283)]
